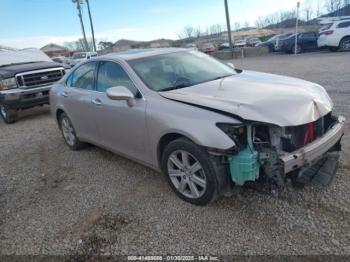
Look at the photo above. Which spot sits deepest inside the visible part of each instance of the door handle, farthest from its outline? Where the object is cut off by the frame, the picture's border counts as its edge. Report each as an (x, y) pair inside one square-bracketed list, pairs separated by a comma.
[(64, 94), (96, 101)]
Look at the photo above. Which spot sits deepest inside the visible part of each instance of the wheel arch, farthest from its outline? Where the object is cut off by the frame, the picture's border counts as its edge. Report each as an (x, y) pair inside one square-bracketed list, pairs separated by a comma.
[(165, 140), (344, 37), (58, 114)]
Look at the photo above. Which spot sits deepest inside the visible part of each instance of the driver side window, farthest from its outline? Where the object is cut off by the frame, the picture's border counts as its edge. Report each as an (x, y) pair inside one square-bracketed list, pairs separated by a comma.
[(111, 74)]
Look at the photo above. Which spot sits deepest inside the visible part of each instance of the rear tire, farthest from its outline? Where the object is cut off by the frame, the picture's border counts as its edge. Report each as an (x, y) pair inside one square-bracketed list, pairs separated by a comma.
[(344, 44), (68, 133), (190, 172), (9, 115)]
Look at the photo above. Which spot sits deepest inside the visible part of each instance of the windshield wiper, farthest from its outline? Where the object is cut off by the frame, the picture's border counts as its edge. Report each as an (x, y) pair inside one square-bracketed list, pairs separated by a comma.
[(219, 77), (175, 87)]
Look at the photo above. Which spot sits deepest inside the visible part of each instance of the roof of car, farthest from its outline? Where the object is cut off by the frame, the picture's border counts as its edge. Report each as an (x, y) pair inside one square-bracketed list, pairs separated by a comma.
[(141, 53)]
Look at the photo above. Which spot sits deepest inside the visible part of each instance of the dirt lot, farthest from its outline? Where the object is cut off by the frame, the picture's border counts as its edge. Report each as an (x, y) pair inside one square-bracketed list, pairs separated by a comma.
[(55, 201)]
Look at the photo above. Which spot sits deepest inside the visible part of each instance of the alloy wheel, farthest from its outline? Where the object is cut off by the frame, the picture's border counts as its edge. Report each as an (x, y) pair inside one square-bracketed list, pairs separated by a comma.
[(187, 174), (345, 44), (68, 131)]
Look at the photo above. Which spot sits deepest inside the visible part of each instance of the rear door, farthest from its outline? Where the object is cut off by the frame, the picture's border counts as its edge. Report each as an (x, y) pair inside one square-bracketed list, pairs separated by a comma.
[(342, 29), (77, 100), (122, 128)]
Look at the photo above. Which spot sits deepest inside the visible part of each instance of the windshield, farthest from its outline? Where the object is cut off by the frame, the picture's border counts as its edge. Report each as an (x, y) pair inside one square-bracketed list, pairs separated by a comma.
[(178, 70), (79, 55)]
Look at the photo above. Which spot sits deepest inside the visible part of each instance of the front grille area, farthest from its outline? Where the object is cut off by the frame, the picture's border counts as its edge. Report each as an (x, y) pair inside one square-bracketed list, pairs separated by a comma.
[(299, 136), (39, 78)]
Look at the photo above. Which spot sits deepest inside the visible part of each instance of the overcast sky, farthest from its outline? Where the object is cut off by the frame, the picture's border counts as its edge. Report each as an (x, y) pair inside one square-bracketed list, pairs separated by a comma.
[(34, 23)]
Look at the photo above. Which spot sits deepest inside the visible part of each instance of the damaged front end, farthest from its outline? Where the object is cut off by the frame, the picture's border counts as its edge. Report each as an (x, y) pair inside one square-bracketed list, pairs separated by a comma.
[(302, 153)]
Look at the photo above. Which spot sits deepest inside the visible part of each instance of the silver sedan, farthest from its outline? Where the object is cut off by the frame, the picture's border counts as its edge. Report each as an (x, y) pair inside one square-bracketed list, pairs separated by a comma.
[(204, 124)]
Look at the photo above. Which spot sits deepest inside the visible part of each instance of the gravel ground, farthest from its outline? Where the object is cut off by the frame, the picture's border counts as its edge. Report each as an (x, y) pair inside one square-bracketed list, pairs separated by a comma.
[(55, 201)]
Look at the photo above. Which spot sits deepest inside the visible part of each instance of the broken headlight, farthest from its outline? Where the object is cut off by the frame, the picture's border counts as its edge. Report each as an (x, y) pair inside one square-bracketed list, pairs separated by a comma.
[(238, 133), (8, 83)]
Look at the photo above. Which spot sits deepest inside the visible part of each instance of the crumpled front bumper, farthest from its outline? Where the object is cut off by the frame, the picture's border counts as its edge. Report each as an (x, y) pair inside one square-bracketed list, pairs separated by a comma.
[(311, 153)]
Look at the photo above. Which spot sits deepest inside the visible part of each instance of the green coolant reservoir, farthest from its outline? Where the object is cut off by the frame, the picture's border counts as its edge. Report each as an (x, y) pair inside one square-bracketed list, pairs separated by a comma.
[(244, 166)]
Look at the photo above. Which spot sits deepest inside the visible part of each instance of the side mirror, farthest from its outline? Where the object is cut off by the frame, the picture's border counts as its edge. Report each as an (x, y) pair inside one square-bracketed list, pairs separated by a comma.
[(121, 93), (231, 65)]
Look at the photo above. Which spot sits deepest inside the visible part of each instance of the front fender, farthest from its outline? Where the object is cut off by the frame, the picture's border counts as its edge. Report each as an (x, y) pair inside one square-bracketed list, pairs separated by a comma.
[(197, 124)]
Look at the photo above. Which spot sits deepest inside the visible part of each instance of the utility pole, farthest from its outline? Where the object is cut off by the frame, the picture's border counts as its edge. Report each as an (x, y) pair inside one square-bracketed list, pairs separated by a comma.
[(91, 25), (228, 27), (296, 30), (78, 2)]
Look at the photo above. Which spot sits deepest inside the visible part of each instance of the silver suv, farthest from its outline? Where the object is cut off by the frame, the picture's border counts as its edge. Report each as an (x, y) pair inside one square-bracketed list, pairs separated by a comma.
[(207, 126)]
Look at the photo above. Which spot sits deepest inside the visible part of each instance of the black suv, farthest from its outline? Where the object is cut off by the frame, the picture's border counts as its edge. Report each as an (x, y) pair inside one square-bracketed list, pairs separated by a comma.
[(26, 84), (305, 41)]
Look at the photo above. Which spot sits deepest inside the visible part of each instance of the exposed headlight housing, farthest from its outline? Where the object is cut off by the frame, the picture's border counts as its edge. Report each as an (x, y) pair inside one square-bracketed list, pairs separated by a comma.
[(238, 133), (8, 83)]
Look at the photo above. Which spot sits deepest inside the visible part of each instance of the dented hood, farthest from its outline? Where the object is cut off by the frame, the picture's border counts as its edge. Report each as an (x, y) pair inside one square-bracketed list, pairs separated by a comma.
[(279, 100)]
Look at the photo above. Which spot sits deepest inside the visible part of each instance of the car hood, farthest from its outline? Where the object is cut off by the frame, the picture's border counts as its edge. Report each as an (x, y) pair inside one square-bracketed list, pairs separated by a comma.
[(253, 96)]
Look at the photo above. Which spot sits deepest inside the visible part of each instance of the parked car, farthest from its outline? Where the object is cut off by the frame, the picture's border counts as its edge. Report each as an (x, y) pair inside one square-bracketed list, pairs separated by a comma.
[(64, 61), (25, 80), (305, 41), (224, 46), (205, 125), (240, 43), (335, 36), (270, 44), (191, 46), (253, 41), (80, 57), (279, 38), (208, 48), (273, 43)]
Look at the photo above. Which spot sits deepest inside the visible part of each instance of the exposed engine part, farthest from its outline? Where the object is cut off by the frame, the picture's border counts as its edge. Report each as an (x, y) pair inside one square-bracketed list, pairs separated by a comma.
[(244, 166), (271, 164), (296, 137), (266, 146)]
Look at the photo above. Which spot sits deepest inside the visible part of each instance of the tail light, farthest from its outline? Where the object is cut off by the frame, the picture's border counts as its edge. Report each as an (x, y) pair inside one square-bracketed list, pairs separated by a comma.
[(329, 32)]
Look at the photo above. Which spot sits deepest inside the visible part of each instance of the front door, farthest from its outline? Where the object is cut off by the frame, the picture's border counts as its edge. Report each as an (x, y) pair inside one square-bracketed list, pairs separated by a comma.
[(77, 101), (122, 128)]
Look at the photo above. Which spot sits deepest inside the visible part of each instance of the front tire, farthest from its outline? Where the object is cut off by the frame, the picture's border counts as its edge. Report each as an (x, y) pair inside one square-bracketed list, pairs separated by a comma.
[(8, 115), (190, 172), (69, 134)]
